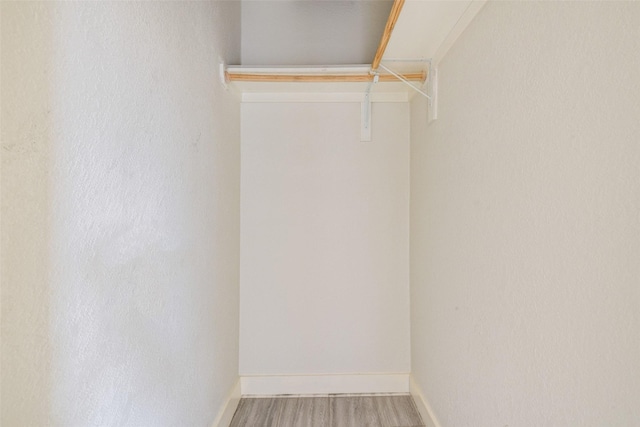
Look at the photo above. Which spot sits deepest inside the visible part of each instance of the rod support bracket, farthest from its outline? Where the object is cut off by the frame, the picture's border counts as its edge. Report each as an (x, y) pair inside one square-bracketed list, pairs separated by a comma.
[(365, 112), (224, 77), (432, 89)]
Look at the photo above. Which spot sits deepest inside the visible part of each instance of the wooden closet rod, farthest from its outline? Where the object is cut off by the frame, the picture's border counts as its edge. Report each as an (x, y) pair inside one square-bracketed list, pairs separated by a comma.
[(248, 77), (388, 29)]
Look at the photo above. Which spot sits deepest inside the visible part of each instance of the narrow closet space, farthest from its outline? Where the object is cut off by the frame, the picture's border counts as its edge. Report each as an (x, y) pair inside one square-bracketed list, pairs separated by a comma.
[(324, 262)]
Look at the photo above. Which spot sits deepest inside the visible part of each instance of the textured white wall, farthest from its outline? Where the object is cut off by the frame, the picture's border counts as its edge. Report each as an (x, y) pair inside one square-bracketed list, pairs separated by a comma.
[(120, 213), (324, 240), (525, 224), (25, 49), (312, 32)]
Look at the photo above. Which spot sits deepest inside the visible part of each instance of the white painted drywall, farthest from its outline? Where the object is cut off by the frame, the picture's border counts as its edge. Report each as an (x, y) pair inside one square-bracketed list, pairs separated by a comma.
[(324, 240), (312, 32), (525, 220), (120, 213), (25, 42)]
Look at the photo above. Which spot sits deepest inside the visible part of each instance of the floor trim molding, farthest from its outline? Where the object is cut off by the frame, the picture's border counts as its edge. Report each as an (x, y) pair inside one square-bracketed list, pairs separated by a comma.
[(425, 409), (225, 414), (270, 385)]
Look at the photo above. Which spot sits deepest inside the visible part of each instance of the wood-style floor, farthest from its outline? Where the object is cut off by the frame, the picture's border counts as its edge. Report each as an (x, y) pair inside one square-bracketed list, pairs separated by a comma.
[(328, 411)]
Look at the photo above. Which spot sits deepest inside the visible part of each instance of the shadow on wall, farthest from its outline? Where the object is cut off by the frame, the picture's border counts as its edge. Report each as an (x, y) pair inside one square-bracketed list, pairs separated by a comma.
[(27, 137)]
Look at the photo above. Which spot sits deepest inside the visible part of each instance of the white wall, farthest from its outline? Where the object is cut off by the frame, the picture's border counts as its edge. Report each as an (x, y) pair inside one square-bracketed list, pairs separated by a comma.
[(24, 227), (525, 226), (324, 240), (120, 213), (325, 32)]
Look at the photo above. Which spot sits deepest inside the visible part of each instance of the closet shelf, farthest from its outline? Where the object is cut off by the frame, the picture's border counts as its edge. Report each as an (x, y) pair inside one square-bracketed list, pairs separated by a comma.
[(320, 80), (315, 74)]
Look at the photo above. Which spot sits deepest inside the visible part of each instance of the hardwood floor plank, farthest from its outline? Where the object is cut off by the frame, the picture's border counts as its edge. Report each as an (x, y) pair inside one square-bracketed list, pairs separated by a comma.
[(331, 411), (257, 412), (304, 412), (397, 411), (353, 411)]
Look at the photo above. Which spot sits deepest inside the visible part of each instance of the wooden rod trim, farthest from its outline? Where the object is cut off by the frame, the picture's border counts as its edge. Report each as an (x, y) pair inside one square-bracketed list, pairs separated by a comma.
[(310, 78), (388, 29)]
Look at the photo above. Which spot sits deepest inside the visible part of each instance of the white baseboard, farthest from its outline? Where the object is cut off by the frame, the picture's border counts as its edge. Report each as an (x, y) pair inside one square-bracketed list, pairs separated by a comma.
[(228, 407), (324, 384), (426, 412)]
